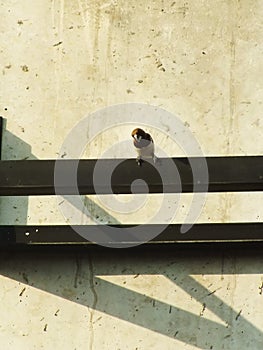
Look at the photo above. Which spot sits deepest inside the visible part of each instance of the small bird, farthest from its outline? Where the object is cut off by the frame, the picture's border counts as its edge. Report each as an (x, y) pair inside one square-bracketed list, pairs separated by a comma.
[(143, 144)]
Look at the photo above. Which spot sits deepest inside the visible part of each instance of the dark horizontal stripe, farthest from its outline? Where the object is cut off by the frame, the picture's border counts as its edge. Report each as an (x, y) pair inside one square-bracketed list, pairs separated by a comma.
[(171, 235), (36, 177)]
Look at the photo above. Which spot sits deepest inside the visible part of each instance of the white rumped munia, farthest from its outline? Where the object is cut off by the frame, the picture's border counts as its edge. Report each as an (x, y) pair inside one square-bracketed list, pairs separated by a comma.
[(143, 144)]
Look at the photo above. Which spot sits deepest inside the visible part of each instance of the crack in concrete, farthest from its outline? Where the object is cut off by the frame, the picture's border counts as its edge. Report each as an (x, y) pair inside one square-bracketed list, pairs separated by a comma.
[(233, 121), (95, 301), (77, 273)]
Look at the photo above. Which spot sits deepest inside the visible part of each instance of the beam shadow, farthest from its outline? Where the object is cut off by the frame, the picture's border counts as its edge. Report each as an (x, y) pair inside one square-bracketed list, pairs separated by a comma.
[(82, 279), (14, 208)]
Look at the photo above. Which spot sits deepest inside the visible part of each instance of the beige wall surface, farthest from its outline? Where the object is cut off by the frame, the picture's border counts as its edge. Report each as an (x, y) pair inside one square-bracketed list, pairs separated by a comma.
[(64, 60)]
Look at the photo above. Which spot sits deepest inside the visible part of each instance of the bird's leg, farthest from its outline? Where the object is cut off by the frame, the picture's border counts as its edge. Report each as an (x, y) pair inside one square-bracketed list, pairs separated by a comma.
[(139, 161)]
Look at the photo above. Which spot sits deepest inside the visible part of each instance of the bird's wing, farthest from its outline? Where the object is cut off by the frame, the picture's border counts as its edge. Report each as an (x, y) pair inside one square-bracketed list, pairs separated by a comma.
[(148, 137)]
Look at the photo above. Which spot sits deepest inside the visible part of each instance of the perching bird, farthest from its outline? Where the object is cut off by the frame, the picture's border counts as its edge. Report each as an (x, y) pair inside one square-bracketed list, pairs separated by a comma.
[(143, 144)]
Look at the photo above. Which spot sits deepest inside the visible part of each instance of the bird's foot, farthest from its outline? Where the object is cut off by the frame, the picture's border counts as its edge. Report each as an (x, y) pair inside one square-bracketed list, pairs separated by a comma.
[(139, 161)]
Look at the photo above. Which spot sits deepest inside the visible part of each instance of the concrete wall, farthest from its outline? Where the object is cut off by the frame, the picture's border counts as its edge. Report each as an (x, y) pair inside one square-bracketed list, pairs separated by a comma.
[(63, 60)]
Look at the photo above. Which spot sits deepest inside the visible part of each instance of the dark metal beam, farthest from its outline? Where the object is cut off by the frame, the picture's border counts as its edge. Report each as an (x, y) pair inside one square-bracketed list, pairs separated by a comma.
[(1, 135), (199, 233), (36, 177)]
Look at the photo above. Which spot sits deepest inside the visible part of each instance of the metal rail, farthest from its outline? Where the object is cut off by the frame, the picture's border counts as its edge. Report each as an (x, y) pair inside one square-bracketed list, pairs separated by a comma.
[(36, 177), (65, 234)]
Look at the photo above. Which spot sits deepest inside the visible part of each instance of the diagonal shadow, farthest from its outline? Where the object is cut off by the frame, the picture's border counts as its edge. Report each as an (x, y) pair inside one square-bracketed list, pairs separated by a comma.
[(14, 148), (74, 279), (156, 316), (14, 209), (94, 210), (233, 319)]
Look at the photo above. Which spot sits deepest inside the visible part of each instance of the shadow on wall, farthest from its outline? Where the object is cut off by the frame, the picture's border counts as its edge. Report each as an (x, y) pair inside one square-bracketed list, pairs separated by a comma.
[(13, 210), (83, 280), (86, 280)]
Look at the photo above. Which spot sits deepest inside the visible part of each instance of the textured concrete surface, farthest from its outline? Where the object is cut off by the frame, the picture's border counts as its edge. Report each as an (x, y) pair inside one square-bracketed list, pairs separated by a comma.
[(62, 60), (157, 301)]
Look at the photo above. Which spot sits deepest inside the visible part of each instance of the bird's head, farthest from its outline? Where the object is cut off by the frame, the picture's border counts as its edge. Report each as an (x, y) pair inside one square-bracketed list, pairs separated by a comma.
[(138, 134)]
